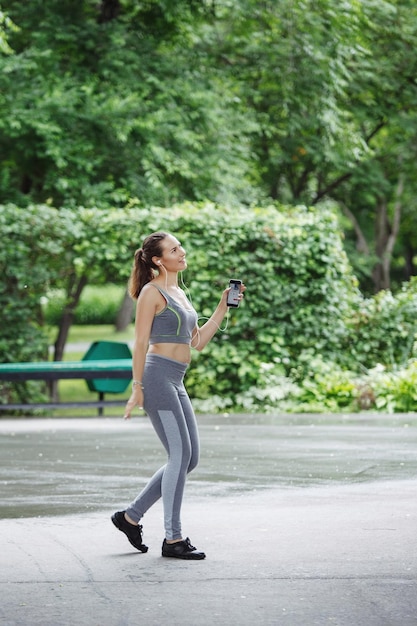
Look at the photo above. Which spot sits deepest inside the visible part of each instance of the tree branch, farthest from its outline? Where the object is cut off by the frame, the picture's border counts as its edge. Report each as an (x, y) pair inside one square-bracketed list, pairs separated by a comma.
[(341, 179), (361, 243)]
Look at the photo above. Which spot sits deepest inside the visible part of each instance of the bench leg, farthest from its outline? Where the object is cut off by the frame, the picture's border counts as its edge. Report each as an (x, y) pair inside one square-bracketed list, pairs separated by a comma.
[(101, 398)]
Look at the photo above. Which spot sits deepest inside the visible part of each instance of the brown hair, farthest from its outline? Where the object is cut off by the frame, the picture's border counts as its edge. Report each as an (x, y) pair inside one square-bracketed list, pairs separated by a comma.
[(143, 266)]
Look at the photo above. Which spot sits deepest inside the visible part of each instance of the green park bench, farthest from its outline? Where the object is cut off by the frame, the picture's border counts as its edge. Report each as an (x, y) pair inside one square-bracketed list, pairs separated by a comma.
[(106, 367)]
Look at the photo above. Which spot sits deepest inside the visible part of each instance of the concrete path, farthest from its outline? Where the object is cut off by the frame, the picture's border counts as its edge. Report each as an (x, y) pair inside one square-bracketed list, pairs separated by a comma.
[(305, 521)]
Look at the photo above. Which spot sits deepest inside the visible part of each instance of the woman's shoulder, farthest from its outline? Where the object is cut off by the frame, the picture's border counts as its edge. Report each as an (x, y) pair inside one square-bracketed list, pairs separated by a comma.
[(153, 291), (151, 300), (154, 287)]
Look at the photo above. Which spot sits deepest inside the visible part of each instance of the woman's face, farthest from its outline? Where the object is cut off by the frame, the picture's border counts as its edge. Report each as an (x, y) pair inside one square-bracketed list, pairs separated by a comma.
[(173, 255)]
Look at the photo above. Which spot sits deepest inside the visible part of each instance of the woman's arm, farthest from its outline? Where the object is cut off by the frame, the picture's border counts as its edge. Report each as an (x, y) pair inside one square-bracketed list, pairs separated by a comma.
[(146, 308), (203, 335)]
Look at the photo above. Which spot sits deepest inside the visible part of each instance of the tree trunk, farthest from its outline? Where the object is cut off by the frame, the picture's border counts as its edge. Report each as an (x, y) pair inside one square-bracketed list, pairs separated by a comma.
[(109, 10), (381, 237), (410, 267), (125, 313), (74, 295), (386, 235), (361, 243)]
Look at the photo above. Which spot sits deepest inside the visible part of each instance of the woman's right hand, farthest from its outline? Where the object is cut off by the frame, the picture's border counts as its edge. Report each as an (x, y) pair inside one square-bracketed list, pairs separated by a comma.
[(136, 399)]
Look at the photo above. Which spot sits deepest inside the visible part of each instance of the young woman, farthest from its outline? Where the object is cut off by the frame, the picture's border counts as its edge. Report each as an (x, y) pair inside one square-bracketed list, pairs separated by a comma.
[(165, 330)]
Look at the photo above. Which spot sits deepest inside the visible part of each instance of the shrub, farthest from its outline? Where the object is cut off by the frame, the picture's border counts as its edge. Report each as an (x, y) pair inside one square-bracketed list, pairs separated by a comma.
[(31, 243), (382, 329), (304, 337), (394, 391), (300, 292)]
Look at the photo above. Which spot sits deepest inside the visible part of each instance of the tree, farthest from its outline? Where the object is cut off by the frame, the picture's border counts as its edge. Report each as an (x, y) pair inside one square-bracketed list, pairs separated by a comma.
[(300, 101), (94, 111), (98, 250), (334, 95)]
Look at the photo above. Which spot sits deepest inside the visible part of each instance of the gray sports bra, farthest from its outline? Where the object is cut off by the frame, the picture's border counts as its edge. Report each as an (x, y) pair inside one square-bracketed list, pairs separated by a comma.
[(174, 324)]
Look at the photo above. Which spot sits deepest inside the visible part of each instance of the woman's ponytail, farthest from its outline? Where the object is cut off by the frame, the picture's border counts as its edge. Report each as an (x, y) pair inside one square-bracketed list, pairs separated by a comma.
[(143, 270)]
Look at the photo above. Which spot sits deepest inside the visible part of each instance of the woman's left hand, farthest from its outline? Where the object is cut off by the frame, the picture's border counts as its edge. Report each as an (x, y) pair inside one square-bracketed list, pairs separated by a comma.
[(241, 295)]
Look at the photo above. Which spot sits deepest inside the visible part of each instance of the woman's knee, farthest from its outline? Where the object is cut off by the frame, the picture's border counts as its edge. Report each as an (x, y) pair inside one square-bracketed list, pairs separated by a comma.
[(195, 457)]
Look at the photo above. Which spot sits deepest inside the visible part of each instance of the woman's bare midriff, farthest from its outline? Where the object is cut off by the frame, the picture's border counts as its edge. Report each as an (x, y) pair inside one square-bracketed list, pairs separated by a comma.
[(177, 351)]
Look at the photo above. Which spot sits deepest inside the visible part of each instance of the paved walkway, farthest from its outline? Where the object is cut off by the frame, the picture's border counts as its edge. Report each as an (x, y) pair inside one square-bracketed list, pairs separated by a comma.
[(321, 531)]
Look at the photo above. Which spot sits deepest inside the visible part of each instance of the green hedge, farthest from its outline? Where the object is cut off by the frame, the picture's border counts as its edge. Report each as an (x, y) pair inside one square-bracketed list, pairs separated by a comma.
[(303, 339), (383, 329), (300, 292)]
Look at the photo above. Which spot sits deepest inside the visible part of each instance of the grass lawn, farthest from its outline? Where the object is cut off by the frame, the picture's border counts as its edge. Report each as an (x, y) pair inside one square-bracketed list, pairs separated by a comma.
[(88, 334), (77, 391)]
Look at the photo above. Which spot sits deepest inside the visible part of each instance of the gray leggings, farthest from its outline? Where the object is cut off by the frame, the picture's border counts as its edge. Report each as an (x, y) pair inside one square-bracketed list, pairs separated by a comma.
[(169, 408)]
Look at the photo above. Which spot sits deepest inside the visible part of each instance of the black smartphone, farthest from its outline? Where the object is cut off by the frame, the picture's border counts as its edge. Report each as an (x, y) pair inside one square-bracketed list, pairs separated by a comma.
[(234, 293)]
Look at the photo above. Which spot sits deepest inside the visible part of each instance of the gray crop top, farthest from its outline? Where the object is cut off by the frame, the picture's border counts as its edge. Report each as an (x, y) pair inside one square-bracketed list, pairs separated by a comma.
[(174, 324)]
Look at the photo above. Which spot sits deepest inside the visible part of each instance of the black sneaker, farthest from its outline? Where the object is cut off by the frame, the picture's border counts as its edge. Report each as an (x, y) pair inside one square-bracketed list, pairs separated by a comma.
[(181, 550), (132, 532)]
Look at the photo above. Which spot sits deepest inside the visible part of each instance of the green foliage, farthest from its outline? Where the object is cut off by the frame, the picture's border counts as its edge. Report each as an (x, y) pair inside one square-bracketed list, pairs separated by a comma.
[(94, 111), (300, 291), (294, 266), (300, 101), (326, 388), (340, 122), (97, 306), (383, 329), (6, 26), (32, 244), (395, 392), (303, 339)]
